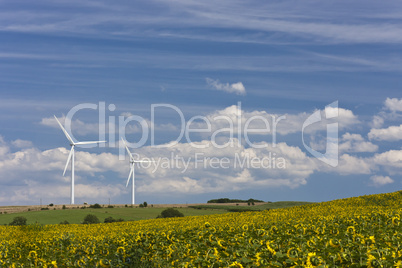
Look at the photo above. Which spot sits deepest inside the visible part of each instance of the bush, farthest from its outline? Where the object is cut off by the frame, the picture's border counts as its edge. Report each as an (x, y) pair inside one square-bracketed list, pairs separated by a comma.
[(64, 222), (44, 208), (111, 219), (64, 206), (110, 206), (20, 220), (95, 206), (170, 213), (141, 205), (145, 204), (90, 219)]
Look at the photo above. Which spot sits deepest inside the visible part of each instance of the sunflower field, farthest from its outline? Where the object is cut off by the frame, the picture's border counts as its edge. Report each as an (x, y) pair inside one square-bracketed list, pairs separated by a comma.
[(355, 232)]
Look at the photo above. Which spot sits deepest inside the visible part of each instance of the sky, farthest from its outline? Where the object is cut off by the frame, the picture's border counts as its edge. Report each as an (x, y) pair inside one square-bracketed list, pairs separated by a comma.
[(278, 100)]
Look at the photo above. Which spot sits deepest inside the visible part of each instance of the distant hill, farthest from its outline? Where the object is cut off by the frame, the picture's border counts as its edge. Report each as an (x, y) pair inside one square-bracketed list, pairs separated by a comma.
[(227, 200)]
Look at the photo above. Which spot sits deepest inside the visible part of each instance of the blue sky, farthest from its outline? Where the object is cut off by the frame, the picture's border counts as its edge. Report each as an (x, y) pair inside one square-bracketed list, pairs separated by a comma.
[(280, 58)]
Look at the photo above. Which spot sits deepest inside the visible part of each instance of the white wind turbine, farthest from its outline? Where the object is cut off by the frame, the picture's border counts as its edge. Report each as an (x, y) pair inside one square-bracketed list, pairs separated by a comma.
[(132, 172), (71, 156)]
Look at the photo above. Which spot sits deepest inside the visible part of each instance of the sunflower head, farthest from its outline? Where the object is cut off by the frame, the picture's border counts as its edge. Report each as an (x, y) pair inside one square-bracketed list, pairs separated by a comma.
[(372, 262), (32, 254), (236, 264), (293, 254), (334, 243), (351, 230), (104, 263)]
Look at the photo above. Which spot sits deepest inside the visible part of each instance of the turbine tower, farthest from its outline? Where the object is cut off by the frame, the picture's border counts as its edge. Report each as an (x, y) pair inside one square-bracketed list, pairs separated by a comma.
[(132, 172), (71, 156)]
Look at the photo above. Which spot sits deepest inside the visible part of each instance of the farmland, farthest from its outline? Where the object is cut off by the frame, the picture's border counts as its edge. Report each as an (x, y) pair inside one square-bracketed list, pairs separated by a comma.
[(75, 216), (355, 232), (72, 214)]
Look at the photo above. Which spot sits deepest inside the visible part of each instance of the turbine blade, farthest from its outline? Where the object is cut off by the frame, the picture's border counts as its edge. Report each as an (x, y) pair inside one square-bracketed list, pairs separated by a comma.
[(128, 151), (68, 159), (129, 175), (65, 131), (88, 142)]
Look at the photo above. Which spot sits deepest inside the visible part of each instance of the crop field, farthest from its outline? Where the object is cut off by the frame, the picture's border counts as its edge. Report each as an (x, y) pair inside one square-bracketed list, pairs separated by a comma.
[(356, 232)]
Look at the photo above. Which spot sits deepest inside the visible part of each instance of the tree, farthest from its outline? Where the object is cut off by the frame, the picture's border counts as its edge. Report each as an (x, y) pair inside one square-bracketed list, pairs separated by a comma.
[(96, 205), (145, 204), (64, 222), (111, 219), (91, 219), (170, 213), (20, 220)]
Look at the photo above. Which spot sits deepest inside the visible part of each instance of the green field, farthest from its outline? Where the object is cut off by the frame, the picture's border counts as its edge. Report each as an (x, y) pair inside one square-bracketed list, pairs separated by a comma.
[(257, 207), (76, 216)]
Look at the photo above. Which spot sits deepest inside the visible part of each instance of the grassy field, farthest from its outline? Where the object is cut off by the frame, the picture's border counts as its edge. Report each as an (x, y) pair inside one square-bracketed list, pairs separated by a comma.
[(256, 207), (77, 215), (128, 213)]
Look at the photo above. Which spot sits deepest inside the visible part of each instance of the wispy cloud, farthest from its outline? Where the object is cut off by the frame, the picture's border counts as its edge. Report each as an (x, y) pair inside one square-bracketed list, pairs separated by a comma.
[(308, 22), (236, 88)]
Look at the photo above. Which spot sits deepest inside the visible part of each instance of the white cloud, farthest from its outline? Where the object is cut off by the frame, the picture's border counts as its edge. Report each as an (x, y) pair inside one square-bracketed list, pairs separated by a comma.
[(394, 104), (31, 167), (269, 124), (58, 192), (390, 112), (349, 164), (392, 133), (227, 169), (377, 122), (237, 88), (355, 143), (390, 161), (22, 143), (380, 180), (4, 148)]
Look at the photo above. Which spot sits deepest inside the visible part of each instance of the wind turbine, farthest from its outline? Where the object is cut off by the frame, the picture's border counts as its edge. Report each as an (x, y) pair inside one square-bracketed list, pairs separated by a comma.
[(132, 172), (71, 156)]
